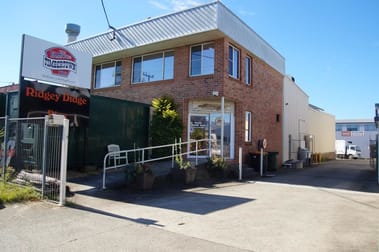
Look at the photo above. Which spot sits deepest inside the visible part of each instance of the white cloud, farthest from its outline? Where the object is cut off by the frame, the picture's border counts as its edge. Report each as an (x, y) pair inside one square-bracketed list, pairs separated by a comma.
[(175, 5), (160, 5), (247, 13), (184, 4)]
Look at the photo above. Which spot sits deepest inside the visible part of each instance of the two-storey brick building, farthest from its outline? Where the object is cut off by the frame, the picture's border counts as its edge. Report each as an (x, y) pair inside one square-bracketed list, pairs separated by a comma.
[(199, 56)]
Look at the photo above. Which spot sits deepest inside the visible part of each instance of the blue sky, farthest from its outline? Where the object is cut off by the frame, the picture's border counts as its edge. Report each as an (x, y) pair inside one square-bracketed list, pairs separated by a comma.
[(331, 47)]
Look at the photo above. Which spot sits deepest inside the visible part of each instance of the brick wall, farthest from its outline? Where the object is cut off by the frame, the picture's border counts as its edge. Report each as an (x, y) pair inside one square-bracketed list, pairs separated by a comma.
[(263, 97)]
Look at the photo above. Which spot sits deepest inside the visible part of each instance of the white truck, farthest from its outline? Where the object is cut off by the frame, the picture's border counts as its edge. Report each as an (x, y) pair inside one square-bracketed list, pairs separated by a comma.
[(345, 149)]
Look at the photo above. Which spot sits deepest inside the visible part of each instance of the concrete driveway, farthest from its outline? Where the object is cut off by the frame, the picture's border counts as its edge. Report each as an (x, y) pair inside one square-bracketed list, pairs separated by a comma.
[(328, 207)]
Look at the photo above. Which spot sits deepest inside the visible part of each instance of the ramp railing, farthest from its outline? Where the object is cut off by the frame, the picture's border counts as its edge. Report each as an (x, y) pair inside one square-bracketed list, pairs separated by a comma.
[(194, 149)]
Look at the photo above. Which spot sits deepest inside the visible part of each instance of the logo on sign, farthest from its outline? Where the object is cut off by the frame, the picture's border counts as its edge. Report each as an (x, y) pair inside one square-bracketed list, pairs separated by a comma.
[(60, 61)]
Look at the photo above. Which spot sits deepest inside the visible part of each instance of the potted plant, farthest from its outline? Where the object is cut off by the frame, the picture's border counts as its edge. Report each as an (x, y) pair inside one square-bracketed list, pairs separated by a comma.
[(217, 166), (144, 176), (186, 168)]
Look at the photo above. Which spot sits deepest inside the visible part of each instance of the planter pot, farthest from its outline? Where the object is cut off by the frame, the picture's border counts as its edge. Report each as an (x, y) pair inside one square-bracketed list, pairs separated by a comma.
[(186, 176), (145, 181), (190, 175), (216, 173), (177, 175)]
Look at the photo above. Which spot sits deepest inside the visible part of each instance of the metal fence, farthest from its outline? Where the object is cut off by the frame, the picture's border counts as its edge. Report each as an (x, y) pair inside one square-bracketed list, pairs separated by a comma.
[(34, 152)]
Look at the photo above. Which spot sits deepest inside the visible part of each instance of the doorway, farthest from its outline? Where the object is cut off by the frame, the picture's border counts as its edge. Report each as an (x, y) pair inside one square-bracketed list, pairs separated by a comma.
[(210, 126)]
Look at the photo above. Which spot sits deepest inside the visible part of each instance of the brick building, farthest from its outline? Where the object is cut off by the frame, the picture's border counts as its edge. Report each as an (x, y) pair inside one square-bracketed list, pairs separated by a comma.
[(199, 57)]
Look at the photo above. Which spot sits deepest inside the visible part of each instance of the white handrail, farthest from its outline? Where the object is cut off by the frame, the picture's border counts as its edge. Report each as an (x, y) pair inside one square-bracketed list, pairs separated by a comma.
[(122, 155)]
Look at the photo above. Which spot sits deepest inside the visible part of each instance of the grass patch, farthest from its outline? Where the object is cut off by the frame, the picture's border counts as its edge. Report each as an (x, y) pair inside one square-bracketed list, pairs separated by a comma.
[(15, 193)]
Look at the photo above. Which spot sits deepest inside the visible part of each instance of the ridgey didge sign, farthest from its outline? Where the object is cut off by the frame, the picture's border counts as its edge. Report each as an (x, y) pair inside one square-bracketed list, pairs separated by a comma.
[(38, 99)]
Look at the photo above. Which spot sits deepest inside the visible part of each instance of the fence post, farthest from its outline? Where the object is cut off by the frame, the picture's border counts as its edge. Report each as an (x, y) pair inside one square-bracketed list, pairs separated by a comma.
[(44, 157), (197, 148), (4, 163), (240, 163), (62, 191), (173, 154)]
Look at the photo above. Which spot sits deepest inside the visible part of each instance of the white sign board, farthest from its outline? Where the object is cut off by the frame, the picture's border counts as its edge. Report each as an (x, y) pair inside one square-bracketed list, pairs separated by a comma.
[(46, 61)]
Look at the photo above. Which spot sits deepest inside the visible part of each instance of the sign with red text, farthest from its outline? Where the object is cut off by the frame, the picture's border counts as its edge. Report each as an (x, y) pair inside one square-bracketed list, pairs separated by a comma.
[(46, 61), (38, 99)]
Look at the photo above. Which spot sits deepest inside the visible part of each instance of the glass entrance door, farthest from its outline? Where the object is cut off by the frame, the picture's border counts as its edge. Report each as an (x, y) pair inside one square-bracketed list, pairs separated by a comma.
[(199, 129), (215, 133), (209, 126)]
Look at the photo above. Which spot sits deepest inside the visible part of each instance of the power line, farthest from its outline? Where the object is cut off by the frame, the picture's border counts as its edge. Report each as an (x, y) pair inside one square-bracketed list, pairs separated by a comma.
[(109, 25)]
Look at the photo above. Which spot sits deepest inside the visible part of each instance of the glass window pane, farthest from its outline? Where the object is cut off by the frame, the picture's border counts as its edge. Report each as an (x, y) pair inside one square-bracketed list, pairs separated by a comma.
[(248, 70), (169, 66), (107, 76), (152, 67), (97, 77), (208, 59), (247, 126), (236, 67), (195, 60), (137, 68), (230, 63), (118, 73), (338, 127)]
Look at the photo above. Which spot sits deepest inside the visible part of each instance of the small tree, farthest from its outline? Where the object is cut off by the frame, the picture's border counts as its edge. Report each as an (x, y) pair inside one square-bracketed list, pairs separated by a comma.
[(166, 125)]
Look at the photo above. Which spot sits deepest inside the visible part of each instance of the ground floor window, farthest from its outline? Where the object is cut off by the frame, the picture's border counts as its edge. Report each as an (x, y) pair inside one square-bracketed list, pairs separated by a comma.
[(247, 126), (205, 121)]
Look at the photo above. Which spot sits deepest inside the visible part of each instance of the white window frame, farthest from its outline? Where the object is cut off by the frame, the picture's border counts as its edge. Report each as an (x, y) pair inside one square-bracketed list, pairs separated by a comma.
[(248, 126), (234, 71), (248, 64), (115, 74), (162, 69), (201, 59)]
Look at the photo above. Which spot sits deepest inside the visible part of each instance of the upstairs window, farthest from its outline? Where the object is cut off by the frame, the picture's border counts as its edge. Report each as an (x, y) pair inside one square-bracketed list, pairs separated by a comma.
[(352, 127), (108, 74), (202, 59), (369, 127), (234, 62), (153, 67), (248, 70)]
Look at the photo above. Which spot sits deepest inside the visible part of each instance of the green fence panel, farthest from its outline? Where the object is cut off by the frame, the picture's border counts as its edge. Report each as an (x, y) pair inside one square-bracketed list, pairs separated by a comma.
[(114, 121)]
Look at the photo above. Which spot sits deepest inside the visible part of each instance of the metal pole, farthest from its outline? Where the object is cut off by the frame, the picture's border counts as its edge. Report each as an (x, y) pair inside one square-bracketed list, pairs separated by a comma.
[(222, 127), (104, 169), (261, 163), (44, 156), (62, 196), (289, 146), (4, 163), (173, 154), (377, 155), (197, 147), (240, 163)]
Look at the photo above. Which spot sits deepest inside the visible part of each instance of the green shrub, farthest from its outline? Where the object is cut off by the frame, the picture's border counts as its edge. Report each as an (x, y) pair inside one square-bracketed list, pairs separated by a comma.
[(166, 125)]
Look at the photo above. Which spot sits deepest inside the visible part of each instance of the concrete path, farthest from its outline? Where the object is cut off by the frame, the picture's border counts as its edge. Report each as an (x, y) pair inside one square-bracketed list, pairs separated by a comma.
[(329, 207)]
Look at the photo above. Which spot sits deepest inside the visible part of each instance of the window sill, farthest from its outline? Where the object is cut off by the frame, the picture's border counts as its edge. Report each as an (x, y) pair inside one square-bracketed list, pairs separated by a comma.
[(103, 88)]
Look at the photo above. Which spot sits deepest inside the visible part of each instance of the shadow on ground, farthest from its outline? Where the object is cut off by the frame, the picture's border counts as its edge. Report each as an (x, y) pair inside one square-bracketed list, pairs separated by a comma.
[(166, 195)]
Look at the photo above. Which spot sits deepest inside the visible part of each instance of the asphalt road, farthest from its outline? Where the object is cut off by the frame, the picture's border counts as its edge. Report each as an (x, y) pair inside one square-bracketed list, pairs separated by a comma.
[(329, 207)]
